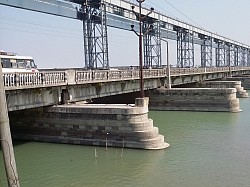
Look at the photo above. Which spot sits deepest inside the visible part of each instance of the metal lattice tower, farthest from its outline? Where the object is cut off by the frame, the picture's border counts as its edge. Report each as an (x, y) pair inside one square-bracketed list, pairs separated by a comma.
[(230, 60), (185, 48), (236, 55), (95, 34), (220, 54), (248, 57), (206, 51), (152, 43), (243, 57)]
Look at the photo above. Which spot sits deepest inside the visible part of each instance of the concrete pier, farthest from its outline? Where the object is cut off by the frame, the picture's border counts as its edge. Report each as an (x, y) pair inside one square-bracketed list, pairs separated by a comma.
[(241, 92), (195, 99), (92, 124), (245, 81)]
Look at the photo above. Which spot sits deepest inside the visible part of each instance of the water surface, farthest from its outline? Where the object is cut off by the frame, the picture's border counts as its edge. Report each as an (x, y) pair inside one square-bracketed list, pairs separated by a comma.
[(208, 149)]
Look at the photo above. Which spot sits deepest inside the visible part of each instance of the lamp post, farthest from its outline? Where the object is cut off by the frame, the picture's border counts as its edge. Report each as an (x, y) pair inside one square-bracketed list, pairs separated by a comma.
[(168, 65), (140, 50), (140, 18)]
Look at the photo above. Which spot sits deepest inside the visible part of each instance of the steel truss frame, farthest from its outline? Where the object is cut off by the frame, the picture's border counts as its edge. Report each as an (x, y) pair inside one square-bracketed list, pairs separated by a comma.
[(207, 52), (230, 59), (95, 34), (220, 53), (248, 57), (152, 43), (185, 48), (236, 55), (242, 57)]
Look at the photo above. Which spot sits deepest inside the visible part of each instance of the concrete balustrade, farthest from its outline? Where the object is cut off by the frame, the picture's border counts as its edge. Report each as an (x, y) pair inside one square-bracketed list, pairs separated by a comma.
[(48, 78)]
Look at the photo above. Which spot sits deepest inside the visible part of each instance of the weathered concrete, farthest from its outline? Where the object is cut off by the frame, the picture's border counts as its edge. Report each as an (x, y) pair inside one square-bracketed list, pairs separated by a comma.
[(241, 93), (195, 99), (245, 81), (91, 124)]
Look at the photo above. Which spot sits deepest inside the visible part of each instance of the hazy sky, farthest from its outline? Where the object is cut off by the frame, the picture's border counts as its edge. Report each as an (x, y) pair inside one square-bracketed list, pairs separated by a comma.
[(58, 42)]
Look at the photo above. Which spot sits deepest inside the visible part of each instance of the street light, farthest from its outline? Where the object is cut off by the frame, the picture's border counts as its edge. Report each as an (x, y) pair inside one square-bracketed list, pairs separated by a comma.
[(140, 41), (168, 66)]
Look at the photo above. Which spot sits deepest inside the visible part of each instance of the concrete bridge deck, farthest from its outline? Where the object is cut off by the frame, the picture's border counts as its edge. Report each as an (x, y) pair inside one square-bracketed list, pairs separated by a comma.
[(25, 90)]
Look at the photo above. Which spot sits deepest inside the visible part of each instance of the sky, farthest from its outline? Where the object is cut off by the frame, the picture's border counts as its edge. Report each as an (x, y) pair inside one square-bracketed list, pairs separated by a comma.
[(57, 42)]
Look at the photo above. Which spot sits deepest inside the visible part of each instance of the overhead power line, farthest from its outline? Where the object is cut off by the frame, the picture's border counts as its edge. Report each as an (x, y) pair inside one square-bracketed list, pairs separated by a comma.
[(182, 13)]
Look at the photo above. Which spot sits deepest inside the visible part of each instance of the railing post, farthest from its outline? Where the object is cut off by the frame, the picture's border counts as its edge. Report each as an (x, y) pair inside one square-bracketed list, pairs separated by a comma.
[(70, 76)]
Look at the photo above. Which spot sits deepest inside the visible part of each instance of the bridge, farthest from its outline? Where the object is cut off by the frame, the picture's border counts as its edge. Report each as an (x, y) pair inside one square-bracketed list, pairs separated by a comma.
[(30, 90), (128, 126)]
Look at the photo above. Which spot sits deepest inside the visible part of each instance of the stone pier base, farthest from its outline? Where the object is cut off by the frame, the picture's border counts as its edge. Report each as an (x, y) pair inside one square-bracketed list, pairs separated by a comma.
[(195, 99), (241, 93), (245, 81), (91, 124)]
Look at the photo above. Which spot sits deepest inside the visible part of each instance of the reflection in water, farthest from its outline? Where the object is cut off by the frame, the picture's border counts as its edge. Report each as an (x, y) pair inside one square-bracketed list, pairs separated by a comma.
[(207, 149)]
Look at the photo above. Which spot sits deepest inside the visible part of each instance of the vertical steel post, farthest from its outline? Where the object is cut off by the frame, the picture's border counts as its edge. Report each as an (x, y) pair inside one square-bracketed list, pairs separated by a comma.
[(140, 50), (5, 135), (168, 65)]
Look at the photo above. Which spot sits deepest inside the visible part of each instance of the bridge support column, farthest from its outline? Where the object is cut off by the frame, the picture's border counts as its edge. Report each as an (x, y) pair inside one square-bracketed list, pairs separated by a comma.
[(152, 43), (91, 124), (185, 48), (241, 93), (236, 55), (230, 55), (93, 14), (248, 57), (206, 51), (242, 57), (195, 99), (220, 54)]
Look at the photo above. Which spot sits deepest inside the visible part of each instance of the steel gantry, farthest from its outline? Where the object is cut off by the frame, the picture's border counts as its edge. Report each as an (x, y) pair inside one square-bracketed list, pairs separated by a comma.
[(220, 54), (93, 14), (152, 42), (236, 55), (119, 15), (230, 55), (248, 57), (243, 56), (206, 51), (185, 48)]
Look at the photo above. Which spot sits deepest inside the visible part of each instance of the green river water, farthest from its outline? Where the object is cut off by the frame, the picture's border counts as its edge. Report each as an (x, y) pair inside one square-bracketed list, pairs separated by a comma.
[(208, 149)]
